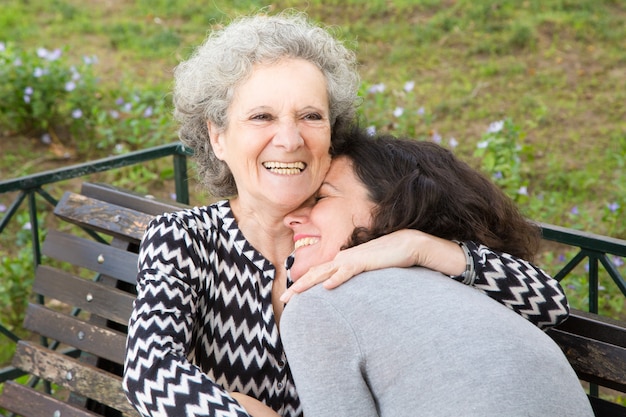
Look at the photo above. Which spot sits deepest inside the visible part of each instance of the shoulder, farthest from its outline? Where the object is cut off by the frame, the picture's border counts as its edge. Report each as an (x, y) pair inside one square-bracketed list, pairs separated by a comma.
[(192, 219), (368, 289)]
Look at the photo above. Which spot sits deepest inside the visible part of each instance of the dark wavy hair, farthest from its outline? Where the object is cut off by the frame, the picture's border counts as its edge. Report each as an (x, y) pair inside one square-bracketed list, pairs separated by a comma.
[(421, 185)]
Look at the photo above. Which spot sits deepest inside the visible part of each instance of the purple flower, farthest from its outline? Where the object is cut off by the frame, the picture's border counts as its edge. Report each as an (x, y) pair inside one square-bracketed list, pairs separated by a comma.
[(46, 139), (54, 55), (483, 144), (75, 73), (613, 207), (453, 143), (70, 86), (617, 261), (28, 91), (88, 60), (148, 112), (38, 72), (114, 114), (495, 127), (561, 258), (574, 211), (2, 47), (523, 190), (409, 85), (420, 111), (398, 111), (376, 88), (43, 53), (371, 130), (119, 101), (173, 196), (127, 107), (498, 175), (436, 137), (26, 98), (27, 226), (77, 113), (3, 208)]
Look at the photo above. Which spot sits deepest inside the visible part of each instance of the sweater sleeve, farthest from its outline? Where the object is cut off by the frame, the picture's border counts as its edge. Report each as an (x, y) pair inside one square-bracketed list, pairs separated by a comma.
[(519, 285), (158, 379)]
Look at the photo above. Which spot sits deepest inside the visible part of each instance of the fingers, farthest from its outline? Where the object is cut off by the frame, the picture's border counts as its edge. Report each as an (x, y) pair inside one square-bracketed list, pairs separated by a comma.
[(314, 276), (286, 296), (341, 275)]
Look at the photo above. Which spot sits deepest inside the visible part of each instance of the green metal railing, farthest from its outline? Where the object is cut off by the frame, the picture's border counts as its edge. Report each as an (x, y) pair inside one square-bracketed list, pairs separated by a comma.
[(30, 187), (596, 249)]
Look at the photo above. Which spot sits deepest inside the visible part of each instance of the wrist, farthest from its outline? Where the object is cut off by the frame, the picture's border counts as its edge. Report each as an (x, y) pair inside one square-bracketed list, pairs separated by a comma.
[(468, 276)]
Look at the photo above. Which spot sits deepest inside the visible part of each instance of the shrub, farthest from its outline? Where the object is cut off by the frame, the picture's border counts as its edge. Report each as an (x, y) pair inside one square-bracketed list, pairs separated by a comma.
[(43, 93)]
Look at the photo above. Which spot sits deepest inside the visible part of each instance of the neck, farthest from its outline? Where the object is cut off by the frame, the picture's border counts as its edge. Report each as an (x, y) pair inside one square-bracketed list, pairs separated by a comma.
[(267, 233)]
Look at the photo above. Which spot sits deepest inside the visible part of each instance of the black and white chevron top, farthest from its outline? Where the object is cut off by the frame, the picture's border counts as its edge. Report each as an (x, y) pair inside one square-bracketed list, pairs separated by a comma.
[(203, 323)]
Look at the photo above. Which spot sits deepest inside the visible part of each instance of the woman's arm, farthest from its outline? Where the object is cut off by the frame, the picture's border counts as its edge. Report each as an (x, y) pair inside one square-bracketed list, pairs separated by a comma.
[(519, 285), (253, 406), (513, 282), (158, 378)]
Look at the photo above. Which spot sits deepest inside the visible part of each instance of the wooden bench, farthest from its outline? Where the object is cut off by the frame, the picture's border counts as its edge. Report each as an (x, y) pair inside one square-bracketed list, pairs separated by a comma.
[(596, 348), (83, 322), (86, 367)]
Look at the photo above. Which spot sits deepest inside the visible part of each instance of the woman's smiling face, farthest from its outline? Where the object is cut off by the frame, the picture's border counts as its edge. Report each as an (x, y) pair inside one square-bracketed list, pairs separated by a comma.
[(324, 223), (277, 139)]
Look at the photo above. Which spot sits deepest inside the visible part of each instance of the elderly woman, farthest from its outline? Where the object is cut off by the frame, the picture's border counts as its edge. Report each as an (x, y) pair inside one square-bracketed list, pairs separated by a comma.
[(258, 102), (410, 341)]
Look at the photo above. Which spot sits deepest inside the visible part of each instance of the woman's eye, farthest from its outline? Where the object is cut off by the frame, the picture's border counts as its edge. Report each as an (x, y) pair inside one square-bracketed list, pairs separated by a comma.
[(262, 116), (313, 116), (319, 197)]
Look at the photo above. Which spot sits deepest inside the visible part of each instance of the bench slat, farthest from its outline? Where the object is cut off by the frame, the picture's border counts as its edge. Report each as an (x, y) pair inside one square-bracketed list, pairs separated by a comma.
[(28, 402), (593, 360), (125, 198), (595, 347), (102, 258), (102, 300), (103, 217), (595, 327), (84, 379), (99, 341)]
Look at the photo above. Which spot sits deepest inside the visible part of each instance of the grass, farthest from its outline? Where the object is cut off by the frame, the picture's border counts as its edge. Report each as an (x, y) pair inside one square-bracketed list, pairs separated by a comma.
[(555, 68)]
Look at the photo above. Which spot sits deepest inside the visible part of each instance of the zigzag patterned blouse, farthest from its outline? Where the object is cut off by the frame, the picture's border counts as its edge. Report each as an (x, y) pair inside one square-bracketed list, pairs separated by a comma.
[(203, 323)]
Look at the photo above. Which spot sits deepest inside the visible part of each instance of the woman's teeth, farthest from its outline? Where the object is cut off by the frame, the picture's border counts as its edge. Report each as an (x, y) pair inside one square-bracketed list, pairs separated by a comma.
[(285, 168), (306, 242)]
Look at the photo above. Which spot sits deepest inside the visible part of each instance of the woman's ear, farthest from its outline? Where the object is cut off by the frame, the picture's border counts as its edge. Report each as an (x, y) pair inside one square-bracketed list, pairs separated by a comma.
[(216, 139)]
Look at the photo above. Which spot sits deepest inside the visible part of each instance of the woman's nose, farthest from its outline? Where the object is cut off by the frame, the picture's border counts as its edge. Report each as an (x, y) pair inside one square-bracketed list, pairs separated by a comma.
[(300, 215), (288, 136)]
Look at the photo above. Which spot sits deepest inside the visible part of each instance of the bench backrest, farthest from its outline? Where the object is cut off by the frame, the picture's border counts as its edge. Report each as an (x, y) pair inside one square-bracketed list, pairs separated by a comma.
[(595, 346), (88, 291)]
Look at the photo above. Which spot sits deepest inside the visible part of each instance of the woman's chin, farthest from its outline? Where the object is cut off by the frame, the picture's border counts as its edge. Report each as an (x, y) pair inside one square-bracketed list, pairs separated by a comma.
[(298, 269)]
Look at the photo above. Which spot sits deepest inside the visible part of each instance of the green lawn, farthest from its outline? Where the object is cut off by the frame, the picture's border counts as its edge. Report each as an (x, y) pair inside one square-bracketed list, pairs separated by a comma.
[(555, 70)]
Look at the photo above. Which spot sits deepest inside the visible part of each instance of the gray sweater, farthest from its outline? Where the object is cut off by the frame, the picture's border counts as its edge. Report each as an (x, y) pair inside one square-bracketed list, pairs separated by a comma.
[(413, 342)]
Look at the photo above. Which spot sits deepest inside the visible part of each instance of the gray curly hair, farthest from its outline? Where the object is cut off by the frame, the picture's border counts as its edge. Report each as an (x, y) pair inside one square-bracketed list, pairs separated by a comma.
[(204, 84)]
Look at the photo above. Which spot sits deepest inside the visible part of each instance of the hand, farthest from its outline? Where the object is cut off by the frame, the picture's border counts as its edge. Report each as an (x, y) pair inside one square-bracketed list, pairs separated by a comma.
[(253, 406), (402, 248)]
